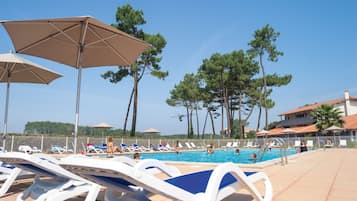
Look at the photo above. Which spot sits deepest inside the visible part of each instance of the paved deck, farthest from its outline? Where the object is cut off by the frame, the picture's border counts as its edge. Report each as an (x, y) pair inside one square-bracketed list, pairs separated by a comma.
[(317, 176), (321, 175)]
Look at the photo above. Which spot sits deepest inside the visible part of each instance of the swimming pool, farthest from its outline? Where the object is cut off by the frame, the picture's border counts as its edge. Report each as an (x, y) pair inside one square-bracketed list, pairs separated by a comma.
[(218, 156)]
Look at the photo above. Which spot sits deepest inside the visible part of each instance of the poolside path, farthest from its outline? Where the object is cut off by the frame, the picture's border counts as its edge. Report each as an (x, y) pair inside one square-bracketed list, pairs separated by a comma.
[(323, 175), (329, 175)]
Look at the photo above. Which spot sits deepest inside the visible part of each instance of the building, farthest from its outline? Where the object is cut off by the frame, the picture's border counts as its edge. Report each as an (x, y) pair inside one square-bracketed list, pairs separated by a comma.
[(300, 121)]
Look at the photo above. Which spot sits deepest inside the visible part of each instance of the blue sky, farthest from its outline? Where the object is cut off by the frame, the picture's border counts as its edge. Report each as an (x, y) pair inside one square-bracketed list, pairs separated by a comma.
[(318, 39)]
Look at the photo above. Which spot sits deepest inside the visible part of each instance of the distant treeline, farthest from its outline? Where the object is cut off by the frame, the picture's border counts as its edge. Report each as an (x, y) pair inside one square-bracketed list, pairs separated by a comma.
[(59, 128)]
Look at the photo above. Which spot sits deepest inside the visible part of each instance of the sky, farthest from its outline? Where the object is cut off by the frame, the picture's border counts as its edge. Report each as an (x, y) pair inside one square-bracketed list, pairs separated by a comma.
[(318, 39)]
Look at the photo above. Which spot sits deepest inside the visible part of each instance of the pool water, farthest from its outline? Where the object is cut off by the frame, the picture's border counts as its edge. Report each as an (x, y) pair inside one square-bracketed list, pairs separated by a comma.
[(218, 156)]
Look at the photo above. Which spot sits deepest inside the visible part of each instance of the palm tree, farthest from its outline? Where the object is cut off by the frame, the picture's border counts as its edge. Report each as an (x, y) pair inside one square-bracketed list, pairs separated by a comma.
[(327, 116)]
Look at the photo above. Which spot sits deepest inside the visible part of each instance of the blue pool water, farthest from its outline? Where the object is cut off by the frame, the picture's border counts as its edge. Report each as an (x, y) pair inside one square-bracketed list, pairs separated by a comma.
[(218, 156)]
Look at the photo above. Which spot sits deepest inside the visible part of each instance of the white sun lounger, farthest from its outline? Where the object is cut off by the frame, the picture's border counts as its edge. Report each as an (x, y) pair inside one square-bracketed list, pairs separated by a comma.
[(10, 173), (310, 143), (62, 185), (209, 185), (228, 145), (343, 143), (250, 145), (188, 145), (127, 191), (180, 145)]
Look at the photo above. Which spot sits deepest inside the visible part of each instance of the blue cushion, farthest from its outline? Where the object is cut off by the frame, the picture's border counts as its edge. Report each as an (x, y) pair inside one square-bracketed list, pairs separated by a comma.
[(197, 182)]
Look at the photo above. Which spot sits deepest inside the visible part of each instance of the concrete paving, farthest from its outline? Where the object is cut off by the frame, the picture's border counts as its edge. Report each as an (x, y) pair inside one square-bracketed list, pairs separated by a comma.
[(323, 175)]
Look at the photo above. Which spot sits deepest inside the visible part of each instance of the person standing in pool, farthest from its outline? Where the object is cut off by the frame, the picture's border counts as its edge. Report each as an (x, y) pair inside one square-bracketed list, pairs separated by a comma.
[(177, 147), (253, 157), (210, 149), (136, 156)]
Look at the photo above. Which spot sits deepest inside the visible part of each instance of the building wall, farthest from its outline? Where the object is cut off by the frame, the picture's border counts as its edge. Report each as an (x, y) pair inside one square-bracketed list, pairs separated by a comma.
[(296, 115), (353, 107), (341, 107)]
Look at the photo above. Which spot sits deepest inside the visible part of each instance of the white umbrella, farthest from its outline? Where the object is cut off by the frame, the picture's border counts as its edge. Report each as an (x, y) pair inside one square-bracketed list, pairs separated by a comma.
[(264, 132), (334, 129), (102, 126), (16, 69), (151, 130), (80, 42), (288, 131)]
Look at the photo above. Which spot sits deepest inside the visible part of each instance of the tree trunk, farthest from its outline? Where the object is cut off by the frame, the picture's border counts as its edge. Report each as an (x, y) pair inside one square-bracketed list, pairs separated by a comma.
[(128, 110), (260, 110), (191, 124), (222, 102), (133, 123), (241, 135), (204, 125), (265, 91), (188, 122), (231, 106), (227, 112), (197, 122), (212, 123)]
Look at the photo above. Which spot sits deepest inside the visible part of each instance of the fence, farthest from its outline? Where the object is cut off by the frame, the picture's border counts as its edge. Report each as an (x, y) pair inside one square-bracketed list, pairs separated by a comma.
[(44, 143)]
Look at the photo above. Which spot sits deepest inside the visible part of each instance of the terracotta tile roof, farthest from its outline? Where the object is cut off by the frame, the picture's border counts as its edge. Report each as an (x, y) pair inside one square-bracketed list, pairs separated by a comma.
[(316, 105), (297, 129), (350, 124)]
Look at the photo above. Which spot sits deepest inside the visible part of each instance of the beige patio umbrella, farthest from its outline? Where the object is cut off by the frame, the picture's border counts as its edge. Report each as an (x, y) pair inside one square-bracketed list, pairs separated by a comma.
[(334, 129), (288, 131), (80, 42), (151, 131), (103, 126), (16, 69), (264, 132)]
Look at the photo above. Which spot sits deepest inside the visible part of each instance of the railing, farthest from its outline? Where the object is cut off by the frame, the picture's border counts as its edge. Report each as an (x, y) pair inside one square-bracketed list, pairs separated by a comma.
[(44, 142), (275, 142)]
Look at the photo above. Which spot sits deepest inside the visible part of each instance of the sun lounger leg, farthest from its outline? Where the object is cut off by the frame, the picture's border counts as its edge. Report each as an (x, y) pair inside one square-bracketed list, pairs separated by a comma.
[(6, 185)]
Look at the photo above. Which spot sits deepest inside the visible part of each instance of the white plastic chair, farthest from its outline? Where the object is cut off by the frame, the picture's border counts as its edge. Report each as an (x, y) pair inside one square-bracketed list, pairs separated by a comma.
[(62, 186), (343, 143), (310, 143)]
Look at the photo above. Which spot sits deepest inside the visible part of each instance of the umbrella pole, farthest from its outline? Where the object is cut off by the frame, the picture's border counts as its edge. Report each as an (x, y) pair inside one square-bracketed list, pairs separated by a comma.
[(6, 112), (77, 108), (79, 66)]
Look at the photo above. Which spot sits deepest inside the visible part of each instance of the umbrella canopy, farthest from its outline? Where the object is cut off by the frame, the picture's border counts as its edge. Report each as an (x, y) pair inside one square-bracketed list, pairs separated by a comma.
[(151, 130), (263, 132), (79, 42), (102, 125), (16, 69), (334, 128)]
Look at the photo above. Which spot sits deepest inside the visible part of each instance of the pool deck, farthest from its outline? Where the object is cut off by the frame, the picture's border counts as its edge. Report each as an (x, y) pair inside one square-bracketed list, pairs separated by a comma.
[(329, 174)]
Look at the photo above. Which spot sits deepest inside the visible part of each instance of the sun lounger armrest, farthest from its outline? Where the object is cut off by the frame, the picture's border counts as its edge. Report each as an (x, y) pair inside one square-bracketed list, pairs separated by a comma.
[(147, 164), (221, 170), (261, 176)]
